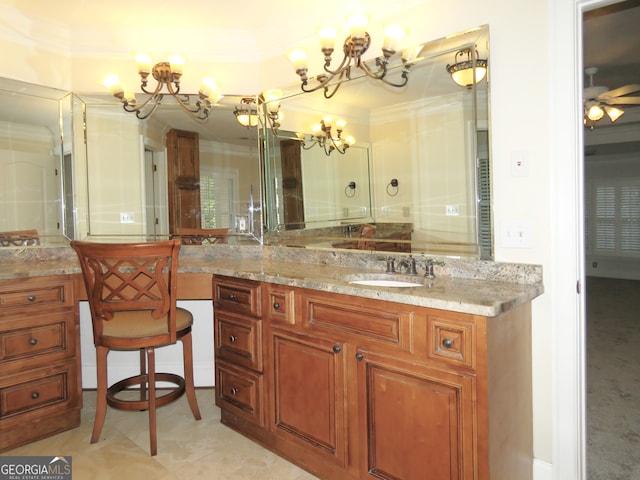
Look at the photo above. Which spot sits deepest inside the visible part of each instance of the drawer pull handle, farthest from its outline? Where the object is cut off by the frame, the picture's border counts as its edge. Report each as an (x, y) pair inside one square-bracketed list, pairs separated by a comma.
[(233, 338), (35, 395), (447, 342), (31, 298), (33, 341), (232, 296), (337, 349), (234, 391), (359, 356), (276, 305)]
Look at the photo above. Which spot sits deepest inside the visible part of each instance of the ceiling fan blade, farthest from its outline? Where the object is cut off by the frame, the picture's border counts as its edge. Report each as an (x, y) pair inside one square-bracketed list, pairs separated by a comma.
[(621, 91), (622, 101)]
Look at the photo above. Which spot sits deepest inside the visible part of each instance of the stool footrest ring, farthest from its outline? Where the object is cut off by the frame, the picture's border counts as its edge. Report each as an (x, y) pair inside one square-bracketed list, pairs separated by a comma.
[(142, 380)]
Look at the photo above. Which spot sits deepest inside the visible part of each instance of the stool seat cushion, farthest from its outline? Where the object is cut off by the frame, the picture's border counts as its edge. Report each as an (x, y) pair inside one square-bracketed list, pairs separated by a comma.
[(140, 323)]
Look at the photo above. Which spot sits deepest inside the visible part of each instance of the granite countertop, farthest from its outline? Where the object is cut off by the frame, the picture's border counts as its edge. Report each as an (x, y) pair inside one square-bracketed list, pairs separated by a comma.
[(464, 295), (478, 297)]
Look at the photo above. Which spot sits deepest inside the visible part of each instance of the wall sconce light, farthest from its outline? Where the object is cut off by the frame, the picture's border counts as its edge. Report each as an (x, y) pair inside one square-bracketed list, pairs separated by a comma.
[(350, 190), (355, 45), (167, 76), (392, 187), (467, 72), (247, 113), (323, 137)]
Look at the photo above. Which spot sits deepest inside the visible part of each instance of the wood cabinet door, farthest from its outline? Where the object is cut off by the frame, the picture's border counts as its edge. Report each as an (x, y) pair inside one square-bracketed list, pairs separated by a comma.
[(293, 199), (183, 171), (308, 397), (417, 423)]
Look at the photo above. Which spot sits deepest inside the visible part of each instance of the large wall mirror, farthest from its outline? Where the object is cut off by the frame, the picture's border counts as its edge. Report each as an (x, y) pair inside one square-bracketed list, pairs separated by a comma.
[(36, 161), (129, 189), (417, 179)]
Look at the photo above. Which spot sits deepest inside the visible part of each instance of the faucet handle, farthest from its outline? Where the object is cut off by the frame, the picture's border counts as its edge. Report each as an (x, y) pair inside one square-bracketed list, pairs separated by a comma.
[(429, 264)]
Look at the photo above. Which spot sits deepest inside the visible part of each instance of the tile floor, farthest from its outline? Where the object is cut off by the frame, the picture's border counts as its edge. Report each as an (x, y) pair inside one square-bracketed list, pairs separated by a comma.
[(187, 449)]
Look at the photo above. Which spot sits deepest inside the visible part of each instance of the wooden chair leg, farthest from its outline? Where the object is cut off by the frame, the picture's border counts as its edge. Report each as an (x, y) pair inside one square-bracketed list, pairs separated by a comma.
[(143, 371), (101, 398), (187, 352), (153, 435)]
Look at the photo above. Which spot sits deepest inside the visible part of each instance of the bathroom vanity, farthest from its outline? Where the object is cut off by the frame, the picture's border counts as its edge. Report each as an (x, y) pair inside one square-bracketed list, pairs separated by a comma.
[(351, 386)]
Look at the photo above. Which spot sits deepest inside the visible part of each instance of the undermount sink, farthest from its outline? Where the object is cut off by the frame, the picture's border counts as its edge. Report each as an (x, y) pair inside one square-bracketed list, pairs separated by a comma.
[(384, 280)]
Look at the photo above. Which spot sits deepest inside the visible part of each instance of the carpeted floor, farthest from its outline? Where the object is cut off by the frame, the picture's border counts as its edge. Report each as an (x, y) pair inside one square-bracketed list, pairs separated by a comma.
[(613, 379)]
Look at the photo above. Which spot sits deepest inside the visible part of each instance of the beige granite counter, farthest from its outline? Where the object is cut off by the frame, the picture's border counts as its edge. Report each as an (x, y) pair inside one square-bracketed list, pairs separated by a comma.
[(479, 297), (458, 286)]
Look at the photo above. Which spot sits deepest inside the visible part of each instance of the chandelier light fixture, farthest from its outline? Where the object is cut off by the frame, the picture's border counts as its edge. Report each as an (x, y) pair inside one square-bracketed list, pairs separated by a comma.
[(470, 71), (354, 47), (247, 113), (324, 137), (167, 76)]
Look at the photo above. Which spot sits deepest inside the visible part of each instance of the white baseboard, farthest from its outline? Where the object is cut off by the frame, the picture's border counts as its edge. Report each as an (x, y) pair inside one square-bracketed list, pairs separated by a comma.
[(202, 374), (542, 470)]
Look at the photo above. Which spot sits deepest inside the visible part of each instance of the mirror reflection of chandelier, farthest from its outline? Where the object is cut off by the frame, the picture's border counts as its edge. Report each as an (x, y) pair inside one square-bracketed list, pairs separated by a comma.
[(354, 47), (167, 76), (247, 113), (323, 137), (467, 72)]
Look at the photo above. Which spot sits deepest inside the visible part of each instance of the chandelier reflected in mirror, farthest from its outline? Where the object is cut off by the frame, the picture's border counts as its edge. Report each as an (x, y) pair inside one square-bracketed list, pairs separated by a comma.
[(469, 71), (167, 76), (354, 47), (323, 136), (247, 112)]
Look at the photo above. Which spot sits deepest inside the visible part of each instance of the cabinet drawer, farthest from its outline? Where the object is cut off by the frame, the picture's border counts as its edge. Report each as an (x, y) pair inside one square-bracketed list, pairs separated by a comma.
[(35, 293), (239, 340), (239, 391), (279, 304), (37, 390), (452, 340), (237, 295), (37, 339), (368, 318)]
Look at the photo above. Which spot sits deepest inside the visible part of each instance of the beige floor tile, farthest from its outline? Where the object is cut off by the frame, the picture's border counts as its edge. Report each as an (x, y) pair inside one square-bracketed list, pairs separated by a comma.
[(187, 449)]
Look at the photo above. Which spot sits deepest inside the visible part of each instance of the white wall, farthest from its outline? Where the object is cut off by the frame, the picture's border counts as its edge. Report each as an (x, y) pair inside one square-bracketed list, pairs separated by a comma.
[(168, 359)]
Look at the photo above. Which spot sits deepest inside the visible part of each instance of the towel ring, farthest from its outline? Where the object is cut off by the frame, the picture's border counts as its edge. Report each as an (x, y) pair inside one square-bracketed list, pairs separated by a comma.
[(350, 186), (391, 185)]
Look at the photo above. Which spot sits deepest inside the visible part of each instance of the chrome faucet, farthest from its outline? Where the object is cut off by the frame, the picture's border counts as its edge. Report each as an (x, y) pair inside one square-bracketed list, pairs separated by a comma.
[(429, 264), (410, 264)]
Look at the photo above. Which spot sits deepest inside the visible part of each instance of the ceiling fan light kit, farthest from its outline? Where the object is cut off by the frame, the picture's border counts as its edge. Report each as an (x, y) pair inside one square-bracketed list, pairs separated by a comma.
[(599, 100)]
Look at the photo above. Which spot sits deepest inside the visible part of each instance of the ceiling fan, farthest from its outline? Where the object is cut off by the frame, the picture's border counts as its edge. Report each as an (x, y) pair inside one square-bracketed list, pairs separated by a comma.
[(599, 100)]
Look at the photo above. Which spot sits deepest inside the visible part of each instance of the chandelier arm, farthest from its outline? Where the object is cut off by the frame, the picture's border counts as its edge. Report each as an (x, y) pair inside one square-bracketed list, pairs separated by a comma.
[(183, 101), (140, 110), (327, 92), (404, 75), (346, 62), (376, 76)]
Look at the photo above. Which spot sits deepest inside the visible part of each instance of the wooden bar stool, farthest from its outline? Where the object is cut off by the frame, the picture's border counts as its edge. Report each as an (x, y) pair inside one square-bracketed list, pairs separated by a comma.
[(132, 296)]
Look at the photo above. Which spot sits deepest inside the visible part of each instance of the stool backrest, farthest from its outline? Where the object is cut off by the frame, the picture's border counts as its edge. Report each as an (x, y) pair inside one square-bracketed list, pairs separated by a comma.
[(128, 277)]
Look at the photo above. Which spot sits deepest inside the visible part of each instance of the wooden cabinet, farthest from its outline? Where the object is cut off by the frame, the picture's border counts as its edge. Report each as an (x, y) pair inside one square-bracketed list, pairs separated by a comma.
[(40, 385), (238, 348), (415, 422), (309, 373), (356, 388)]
